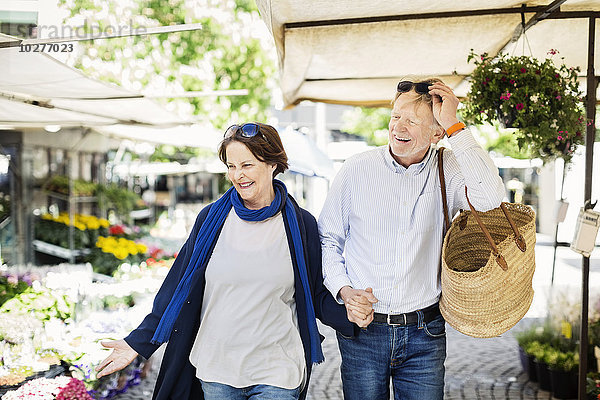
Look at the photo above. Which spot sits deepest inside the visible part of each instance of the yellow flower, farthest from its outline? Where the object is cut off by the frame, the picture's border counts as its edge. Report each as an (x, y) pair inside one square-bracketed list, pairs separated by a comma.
[(121, 254), (91, 224), (48, 217), (79, 226), (103, 223), (141, 248)]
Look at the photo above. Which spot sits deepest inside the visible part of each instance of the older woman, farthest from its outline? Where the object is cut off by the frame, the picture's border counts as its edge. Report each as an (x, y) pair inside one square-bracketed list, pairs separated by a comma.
[(238, 307)]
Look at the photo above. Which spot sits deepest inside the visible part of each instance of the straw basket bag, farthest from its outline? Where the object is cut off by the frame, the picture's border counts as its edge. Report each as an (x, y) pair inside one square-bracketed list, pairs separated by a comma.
[(488, 262)]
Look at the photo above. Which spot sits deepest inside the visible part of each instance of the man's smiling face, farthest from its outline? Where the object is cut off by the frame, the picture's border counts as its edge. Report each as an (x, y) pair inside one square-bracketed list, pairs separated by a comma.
[(412, 129)]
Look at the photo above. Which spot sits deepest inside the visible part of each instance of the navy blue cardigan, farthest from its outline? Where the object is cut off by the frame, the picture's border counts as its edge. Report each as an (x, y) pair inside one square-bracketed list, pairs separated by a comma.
[(177, 376)]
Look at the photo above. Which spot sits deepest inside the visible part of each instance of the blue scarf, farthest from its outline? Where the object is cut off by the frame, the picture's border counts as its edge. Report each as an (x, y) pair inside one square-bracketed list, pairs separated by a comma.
[(208, 235)]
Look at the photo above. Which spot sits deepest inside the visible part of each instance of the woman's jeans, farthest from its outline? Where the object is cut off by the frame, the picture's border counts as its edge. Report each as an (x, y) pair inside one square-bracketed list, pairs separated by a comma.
[(413, 356), (219, 391)]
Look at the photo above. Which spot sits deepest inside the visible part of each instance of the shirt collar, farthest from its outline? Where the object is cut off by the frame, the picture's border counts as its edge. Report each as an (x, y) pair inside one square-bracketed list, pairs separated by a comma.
[(416, 168)]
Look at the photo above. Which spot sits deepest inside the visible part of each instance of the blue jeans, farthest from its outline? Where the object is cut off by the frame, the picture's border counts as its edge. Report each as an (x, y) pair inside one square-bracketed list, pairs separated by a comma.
[(220, 391), (413, 356)]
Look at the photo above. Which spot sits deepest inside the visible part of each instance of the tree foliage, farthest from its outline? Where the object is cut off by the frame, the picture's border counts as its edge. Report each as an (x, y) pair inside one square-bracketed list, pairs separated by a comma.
[(371, 123), (227, 53)]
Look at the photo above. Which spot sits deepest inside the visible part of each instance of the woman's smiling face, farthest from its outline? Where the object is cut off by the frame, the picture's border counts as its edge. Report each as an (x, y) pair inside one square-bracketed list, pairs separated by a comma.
[(252, 178)]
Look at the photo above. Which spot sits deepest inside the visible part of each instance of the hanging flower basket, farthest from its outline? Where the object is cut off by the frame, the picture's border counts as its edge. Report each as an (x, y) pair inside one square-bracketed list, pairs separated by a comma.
[(542, 101)]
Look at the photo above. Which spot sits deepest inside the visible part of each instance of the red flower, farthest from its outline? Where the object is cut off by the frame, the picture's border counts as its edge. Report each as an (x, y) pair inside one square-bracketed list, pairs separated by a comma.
[(116, 230), (523, 70), (519, 106)]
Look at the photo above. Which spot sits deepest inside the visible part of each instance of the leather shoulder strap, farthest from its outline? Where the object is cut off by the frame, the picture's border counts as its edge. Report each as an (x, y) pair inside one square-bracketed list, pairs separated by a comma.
[(443, 185)]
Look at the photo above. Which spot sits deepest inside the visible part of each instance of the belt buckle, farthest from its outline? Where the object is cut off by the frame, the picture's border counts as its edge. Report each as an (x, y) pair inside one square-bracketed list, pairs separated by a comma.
[(389, 320)]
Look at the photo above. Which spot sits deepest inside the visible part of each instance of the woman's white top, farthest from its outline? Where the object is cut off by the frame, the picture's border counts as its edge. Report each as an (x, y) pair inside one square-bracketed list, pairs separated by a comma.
[(249, 328)]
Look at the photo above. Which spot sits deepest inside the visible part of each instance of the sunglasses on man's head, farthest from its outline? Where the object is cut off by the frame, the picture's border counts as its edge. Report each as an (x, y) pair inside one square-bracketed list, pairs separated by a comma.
[(420, 87), (247, 130)]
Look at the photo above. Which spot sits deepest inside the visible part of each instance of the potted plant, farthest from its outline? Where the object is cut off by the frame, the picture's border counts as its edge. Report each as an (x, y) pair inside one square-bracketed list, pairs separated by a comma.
[(539, 352), (529, 341), (542, 101), (563, 373), (593, 386)]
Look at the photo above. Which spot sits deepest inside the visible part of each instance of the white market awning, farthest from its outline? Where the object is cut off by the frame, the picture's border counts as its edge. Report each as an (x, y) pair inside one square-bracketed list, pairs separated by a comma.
[(356, 51), (202, 136), (304, 156), (38, 90)]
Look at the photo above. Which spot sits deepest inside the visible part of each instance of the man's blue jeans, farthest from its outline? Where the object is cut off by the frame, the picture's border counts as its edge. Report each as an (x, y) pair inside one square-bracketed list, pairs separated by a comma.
[(219, 391), (413, 356)]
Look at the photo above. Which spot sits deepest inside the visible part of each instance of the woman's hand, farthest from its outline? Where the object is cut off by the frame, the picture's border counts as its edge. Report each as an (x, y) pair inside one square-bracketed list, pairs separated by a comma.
[(121, 356), (359, 305)]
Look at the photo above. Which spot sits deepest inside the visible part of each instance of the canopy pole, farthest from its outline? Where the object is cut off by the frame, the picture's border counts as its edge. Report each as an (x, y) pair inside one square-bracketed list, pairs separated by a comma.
[(589, 154)]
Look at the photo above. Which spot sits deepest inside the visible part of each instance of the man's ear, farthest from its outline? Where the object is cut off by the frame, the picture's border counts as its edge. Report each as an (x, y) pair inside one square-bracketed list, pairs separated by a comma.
[(438, 133)]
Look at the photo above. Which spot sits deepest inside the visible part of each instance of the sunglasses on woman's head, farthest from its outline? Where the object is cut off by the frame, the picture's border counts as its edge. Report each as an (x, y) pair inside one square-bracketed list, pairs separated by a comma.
[(420, 87), (247, 130)]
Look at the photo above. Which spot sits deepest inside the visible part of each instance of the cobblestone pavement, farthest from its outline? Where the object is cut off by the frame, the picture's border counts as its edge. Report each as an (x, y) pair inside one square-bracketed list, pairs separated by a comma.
[(490, 371)]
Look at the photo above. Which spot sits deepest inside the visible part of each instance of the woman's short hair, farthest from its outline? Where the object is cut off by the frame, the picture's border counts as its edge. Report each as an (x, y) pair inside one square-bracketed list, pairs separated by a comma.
[(266, 146)]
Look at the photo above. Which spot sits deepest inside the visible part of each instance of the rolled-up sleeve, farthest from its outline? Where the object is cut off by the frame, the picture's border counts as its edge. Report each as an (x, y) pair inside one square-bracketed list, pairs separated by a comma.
[(474, 169)]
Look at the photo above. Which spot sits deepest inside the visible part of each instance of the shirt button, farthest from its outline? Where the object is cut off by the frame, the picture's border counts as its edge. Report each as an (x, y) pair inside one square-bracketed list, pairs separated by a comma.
[(175, 330), (189, 302)]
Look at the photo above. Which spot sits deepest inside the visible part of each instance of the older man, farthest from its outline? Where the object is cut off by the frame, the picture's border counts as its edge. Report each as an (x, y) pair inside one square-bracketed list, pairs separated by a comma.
[(381, 232)]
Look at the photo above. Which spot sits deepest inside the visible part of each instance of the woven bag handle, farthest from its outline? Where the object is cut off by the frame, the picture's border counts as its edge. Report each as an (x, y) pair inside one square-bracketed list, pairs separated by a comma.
[(518, 237), (443, 185)]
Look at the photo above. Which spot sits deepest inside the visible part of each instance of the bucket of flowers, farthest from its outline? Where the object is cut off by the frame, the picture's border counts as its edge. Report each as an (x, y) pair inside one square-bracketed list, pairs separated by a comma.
[(112, 251), (541, 100)]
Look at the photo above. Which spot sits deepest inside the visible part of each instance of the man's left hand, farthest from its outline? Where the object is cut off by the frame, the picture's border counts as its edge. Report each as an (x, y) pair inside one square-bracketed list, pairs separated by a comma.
[(445, 104)]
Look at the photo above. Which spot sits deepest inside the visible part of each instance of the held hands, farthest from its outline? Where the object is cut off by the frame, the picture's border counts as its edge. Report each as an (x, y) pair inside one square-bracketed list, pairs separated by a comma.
[(359, 305), (121, 356), (445, 104)]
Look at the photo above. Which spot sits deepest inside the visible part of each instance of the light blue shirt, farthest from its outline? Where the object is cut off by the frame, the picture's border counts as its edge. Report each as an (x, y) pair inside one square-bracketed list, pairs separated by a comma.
[(382, 224)]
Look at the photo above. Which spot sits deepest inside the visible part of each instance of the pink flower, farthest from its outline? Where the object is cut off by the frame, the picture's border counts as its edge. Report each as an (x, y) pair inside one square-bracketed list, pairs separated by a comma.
[(559, 137), (523, 70), (558, 97), (557, 75), (519, 106), (552, 52), (512, 81), (505, 96)]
